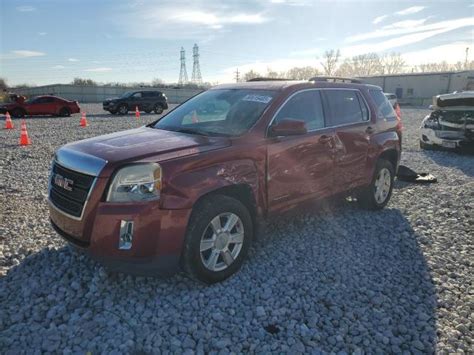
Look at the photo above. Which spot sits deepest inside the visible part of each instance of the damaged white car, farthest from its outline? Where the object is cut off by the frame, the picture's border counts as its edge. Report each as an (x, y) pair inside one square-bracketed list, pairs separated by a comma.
[(451, 124)]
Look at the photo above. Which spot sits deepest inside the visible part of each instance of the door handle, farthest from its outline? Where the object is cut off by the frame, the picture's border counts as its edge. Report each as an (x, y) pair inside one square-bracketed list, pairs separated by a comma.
[(369, 130)]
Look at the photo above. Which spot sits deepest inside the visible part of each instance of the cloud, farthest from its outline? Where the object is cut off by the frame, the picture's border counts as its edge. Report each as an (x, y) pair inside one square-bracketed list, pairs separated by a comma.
[(58, 67), (42, 33), (379, 19), (73, 60), (443, 26), (26, 53), (410, 11), (291, 2), (102, 69), (391, 43), (452, 53), (25, 8), (170, 21), (406, 24)]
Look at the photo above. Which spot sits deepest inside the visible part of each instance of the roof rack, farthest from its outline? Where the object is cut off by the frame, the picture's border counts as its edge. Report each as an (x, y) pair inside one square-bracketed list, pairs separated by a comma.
[(335, 79), (269, 79)]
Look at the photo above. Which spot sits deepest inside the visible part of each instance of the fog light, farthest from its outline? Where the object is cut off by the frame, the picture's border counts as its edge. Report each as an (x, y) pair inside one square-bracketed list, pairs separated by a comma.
[(126, 235)]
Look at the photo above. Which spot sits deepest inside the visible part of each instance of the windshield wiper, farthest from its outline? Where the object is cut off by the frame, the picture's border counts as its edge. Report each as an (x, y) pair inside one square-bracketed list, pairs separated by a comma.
[(192, 131)]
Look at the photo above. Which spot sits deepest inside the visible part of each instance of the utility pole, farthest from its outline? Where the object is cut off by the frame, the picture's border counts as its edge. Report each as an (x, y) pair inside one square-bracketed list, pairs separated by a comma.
[(237, 77), (466, 60)]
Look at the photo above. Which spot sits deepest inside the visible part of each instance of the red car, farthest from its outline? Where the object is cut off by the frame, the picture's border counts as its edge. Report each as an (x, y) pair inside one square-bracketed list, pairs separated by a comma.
[(41, 105), (189, 190)]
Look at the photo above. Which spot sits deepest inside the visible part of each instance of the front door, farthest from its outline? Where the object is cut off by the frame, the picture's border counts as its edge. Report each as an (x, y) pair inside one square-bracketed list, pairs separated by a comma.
[(300, 167)]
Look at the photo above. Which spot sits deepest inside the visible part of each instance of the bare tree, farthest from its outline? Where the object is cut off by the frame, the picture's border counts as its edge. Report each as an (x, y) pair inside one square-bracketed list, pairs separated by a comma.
[(392, 63), (157, 82), (3, 84), (330, 60), (83, 82), (272, 74), (433, 67), (301, 73), (251, 75)]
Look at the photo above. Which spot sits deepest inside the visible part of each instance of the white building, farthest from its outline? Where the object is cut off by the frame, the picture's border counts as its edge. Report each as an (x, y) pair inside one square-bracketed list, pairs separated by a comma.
[(419, 88)]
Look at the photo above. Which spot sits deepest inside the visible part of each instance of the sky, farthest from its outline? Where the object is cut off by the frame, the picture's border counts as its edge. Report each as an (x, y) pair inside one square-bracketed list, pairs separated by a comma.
[(45, 42)]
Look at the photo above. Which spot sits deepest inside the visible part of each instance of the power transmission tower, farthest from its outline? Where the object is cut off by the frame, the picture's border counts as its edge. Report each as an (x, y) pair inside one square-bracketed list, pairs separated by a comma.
[(237, 77), (196, 77), (183, 75)]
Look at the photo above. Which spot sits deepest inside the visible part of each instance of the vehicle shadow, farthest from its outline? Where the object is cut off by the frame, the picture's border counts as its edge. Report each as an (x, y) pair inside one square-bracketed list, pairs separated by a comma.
[(463, 161), (337, 279)]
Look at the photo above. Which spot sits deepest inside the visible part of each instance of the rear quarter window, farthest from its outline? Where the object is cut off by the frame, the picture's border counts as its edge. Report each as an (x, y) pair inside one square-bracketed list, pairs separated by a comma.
[(383, 106)]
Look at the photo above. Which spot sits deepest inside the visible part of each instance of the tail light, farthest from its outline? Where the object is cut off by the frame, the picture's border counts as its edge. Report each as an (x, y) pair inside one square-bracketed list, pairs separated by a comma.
[(399, 116)]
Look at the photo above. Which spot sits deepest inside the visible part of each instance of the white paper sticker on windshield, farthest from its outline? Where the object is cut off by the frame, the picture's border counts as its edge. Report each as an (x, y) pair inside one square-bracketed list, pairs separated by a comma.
[(257, 98)]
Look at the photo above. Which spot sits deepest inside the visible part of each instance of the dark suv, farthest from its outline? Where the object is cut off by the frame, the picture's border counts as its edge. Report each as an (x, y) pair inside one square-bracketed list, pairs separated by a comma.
[(189, 189), (145, 101)]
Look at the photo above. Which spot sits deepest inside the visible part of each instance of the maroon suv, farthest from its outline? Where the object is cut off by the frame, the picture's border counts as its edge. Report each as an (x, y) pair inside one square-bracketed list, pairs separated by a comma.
[(188, 190)]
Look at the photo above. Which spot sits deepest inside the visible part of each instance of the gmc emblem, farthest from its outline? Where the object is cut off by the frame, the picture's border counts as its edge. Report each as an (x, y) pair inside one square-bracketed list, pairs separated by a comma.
[(63, 182)]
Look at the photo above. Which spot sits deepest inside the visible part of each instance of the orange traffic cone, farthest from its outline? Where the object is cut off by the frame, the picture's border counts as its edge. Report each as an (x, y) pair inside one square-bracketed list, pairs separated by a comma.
[(8, 121), (137, 113), (24, 139), (83, 122)]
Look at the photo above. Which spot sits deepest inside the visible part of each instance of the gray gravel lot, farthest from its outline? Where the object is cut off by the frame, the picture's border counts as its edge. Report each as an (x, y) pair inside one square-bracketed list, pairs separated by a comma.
[(336, 279)]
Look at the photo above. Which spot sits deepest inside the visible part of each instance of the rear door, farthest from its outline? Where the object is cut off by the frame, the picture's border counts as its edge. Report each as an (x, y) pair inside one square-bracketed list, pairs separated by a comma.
[(300, 167), (348, 113), (136, 101)]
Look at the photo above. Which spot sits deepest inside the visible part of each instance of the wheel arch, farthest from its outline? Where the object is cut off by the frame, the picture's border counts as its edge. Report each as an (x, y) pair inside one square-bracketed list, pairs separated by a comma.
[(391, 155)]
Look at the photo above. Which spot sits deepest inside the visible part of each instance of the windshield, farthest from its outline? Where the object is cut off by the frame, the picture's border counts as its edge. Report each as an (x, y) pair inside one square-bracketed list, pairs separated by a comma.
[(226, 112)]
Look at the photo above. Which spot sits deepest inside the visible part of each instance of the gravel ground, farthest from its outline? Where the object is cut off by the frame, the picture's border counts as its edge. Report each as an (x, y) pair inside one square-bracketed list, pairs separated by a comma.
[(342, 280)]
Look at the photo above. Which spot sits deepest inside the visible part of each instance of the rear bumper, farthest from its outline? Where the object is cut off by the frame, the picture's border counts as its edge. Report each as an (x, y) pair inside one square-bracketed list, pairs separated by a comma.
[(157, 240)]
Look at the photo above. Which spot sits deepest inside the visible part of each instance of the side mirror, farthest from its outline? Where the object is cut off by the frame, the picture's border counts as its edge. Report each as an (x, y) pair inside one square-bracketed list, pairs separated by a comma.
[(288, 127)]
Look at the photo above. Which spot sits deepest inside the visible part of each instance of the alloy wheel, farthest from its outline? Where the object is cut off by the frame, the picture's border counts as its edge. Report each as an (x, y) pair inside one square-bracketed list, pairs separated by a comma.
[(222, 241)]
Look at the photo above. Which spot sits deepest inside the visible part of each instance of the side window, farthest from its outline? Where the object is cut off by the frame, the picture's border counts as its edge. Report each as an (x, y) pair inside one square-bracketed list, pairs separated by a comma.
[(347, 106), (384, 107), (304, 106), (137, 95)]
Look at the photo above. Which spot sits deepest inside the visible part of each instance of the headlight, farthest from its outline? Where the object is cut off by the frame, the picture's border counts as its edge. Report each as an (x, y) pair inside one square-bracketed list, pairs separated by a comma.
[(430, 122), (139, 182)]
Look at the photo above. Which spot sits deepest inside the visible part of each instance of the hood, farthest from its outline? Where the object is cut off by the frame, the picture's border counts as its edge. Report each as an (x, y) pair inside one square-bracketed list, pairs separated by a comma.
[(145, 143)]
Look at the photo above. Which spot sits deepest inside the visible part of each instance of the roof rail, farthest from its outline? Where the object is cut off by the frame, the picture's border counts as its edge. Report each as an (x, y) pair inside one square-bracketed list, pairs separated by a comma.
[(335, 79), (269, 79)]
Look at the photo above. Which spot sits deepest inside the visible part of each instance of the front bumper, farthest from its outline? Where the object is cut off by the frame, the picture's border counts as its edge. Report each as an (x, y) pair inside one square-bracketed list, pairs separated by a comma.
[(455, 140), (109, 106), (158, 236)]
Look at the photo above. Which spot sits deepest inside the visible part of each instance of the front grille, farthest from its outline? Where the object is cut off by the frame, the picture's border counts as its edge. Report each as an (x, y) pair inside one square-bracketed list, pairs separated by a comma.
[(72, 202)]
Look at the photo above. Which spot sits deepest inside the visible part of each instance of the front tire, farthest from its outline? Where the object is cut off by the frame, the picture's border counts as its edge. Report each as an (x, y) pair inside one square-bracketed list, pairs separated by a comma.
[(64, 112), (123, 109), (378, 193), (219, 234), (18, 113)]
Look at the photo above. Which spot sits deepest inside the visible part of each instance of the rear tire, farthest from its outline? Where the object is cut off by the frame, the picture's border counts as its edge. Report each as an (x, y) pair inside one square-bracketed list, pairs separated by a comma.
[(147, 111), (158, 109), (219, 234), (378, 193), (64, 112)]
